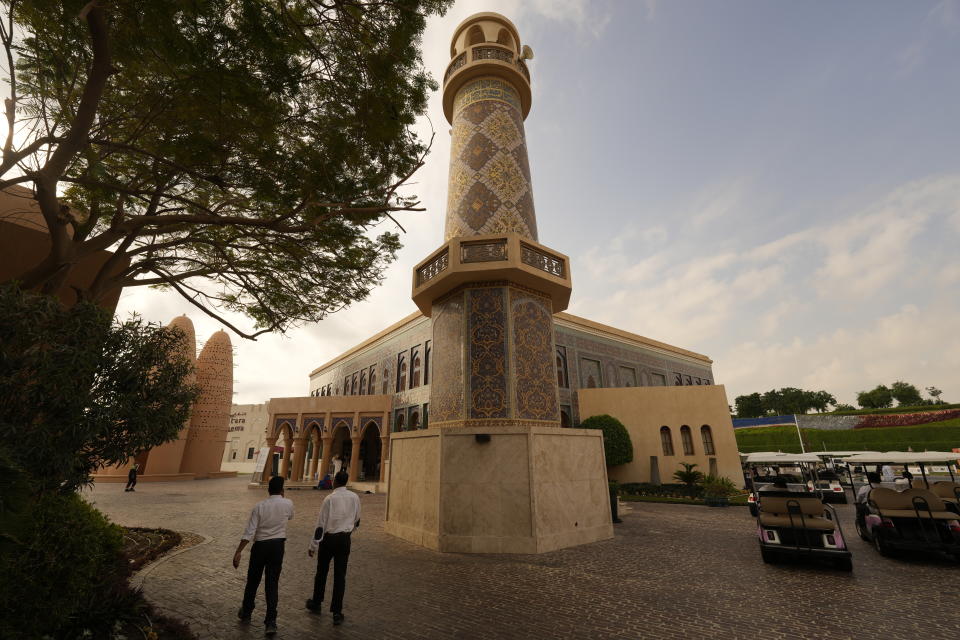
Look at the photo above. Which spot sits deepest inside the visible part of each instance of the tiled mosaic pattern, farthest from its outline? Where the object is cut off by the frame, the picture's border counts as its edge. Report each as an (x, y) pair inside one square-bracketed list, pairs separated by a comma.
[(489, 184), (487, 327), (446, 387), (535, 382)]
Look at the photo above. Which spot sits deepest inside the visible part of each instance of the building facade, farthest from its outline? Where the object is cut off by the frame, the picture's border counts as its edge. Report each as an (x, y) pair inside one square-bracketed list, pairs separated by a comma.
[(246, 434), (399, 362)]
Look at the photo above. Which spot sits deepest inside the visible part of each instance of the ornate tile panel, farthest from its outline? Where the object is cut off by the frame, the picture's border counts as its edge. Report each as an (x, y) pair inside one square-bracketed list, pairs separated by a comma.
[(535, 380), (446, 379), (487, 320), (489, 190)]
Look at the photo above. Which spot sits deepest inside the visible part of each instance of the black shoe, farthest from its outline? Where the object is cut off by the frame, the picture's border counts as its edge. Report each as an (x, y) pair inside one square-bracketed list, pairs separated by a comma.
[(270, 629), (314, 607), (243, 615), (337, 618)]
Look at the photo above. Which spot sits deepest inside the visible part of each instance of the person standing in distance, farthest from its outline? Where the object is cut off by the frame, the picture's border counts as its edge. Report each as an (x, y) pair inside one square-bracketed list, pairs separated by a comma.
[(267, 529), (132, 478), (339, 516)]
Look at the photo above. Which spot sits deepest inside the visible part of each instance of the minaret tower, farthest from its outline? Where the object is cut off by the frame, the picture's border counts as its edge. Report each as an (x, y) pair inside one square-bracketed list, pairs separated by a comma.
[(491, 289), (494, 472)]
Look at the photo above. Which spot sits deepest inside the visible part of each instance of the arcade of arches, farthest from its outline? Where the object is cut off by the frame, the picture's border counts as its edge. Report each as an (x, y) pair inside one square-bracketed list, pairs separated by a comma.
[(307, 436)]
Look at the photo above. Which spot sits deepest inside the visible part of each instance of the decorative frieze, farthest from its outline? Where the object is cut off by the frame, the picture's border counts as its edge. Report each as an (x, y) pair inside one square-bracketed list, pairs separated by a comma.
[(430, 270), (541, 260), (491, 251)]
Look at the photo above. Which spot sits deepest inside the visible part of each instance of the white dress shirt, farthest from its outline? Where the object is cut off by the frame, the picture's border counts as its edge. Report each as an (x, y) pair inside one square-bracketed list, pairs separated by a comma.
[(268, 520), (339, 513)]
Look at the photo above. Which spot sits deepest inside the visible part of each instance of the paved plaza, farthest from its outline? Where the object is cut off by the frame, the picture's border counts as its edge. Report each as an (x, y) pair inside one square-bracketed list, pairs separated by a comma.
[(672, 571)]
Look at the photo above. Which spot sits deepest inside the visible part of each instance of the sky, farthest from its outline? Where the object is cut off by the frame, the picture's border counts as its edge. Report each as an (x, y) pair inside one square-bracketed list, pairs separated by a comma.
[(775, 185)]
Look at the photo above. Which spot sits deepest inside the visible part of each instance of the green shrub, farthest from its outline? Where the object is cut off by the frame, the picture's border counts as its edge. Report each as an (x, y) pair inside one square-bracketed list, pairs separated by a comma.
[(688, 475), (932, 436), (616, 438), (62, 573), (718, 487)]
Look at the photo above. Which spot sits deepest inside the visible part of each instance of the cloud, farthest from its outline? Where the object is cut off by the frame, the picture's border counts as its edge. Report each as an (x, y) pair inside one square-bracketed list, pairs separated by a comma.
[(810, 308)]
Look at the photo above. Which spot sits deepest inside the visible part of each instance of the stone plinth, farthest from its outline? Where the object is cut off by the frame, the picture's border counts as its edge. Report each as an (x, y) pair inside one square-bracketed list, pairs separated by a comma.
[(526, 489)]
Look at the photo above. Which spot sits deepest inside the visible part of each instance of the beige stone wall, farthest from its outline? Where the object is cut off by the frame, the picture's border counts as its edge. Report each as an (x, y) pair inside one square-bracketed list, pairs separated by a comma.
[(526, 490), (644, 410), (247, 428)]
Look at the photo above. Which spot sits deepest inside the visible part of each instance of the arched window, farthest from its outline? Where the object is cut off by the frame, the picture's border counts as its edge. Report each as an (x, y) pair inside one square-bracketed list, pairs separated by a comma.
[(563, 379), (386, 381), (372, 386), (354, 384), (666, 440), (475, 35), (687, 439), (505, 38), (707, 436), (363, 383), (591, 383), (399, 424), (402, 375), (414, 420), (426, 363), (415, 373)]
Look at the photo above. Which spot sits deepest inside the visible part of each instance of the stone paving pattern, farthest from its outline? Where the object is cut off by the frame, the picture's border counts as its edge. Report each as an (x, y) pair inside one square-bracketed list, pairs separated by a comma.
[(672, 571)]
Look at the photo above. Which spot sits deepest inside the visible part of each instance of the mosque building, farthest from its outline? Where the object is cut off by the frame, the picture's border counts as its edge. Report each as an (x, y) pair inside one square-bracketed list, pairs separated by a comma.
[(466, 411)]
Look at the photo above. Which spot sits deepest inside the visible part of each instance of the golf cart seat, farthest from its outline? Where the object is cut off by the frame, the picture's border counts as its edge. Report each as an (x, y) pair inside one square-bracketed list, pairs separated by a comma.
[(797, 512), (908, 504), (946, 491)]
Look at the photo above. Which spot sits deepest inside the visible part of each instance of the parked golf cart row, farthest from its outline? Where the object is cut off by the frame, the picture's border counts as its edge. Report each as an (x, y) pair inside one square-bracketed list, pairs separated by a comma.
[(794, 521)]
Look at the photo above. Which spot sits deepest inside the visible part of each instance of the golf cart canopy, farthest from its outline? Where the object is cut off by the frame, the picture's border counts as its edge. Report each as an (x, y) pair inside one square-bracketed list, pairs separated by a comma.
[(776, 458), (905, 457)]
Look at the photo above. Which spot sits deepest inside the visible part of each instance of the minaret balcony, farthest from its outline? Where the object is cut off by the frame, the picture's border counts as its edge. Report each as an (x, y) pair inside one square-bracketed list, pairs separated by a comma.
[(486, 59), (506, 257)]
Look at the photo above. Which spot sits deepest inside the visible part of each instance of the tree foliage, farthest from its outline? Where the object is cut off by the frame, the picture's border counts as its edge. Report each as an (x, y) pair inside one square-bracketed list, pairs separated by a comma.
[(787, 400), (616, 439), (906, 394), (239, 152), (877, 398), (935, 394), (79, 391)]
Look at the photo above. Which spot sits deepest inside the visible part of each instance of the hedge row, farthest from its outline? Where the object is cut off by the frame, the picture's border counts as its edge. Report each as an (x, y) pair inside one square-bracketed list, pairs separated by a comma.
[(935, 436), (920, 408)]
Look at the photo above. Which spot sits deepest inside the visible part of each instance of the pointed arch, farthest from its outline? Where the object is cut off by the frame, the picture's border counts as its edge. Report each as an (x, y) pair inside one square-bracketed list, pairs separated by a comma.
[(475, 35)]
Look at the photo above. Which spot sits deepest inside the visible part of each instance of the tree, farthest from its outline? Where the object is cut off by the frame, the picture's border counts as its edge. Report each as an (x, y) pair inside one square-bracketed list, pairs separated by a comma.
[(905, 394), (616, 439), (935, 394), (688, 475), (844, 407), (240, 153), (80, 391), (820, 400), (749, 406), (877, 398)]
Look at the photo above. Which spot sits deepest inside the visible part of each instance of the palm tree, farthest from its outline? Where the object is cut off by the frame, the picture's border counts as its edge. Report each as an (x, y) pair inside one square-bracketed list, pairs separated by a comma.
[(688, 475)]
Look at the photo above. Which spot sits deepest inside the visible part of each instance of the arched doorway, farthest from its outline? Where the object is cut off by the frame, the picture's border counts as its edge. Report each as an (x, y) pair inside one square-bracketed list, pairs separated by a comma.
[(370, 452), (340, 447), (284, 456)]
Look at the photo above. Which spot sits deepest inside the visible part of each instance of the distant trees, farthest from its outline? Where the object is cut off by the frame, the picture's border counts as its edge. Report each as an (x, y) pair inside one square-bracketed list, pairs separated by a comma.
[(782, 401), (788, 400)]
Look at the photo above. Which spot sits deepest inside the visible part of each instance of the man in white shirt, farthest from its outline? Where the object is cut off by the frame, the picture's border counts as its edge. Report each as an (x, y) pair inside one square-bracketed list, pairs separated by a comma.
[(267, 529), (339, 516)]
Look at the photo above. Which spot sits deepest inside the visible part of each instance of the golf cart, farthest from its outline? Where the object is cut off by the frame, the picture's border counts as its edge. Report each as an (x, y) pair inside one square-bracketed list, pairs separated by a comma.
[(924, 517), (833, 466), (793, 521), (763, 468)]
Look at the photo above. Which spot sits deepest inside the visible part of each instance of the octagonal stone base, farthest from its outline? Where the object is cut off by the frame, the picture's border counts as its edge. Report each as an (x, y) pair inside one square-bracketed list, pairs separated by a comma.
[(522, 489)]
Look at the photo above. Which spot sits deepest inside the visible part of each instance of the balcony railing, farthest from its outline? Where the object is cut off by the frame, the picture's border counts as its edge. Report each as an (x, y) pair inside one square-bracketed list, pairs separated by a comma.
[(488, 251), (542, 260), (487, 51), (429, 271)]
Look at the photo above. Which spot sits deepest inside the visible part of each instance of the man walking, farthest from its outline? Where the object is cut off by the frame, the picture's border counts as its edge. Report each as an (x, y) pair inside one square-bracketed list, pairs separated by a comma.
[(339, 516), (132, 478), (267, 529)]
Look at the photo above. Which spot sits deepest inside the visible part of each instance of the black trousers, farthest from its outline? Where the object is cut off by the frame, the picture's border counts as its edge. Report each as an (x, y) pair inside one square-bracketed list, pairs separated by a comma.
[(266, 556), (335, 546), (131, 482)]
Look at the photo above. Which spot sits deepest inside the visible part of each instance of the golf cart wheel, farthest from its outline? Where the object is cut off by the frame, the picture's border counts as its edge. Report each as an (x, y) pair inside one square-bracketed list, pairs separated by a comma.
[(860, 530), (844, 564), (767, 554), (883, 547)]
